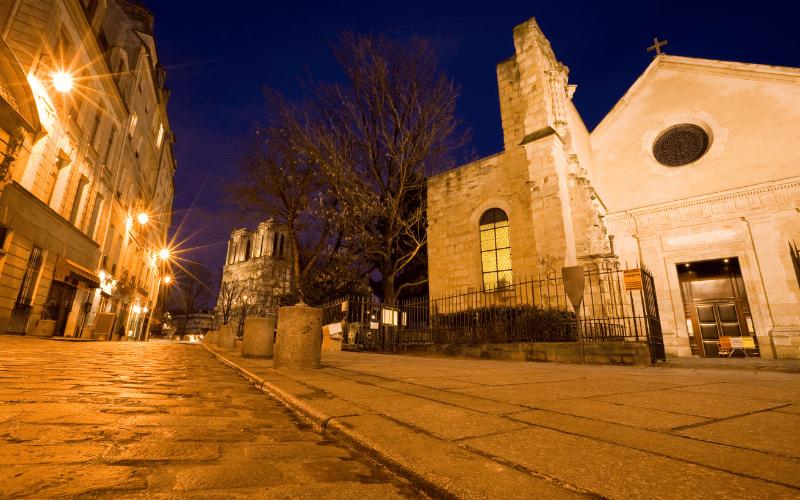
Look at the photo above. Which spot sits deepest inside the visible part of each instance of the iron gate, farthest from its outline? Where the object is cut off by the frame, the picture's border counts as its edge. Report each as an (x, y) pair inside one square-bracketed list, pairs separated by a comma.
[(363, 324), (18, 323), (653, 323)]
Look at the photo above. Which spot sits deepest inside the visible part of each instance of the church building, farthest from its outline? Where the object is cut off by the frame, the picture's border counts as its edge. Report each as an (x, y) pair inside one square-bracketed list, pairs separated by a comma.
[(257, 270), (693, 174)]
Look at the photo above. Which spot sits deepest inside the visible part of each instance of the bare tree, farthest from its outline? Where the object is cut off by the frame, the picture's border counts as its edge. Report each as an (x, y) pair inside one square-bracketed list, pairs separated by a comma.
[(194, 283), (276, 182), (229, 292), (376, 139)]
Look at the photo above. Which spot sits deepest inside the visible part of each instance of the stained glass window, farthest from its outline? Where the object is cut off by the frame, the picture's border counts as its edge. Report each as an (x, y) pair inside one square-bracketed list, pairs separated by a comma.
[(495, 250)]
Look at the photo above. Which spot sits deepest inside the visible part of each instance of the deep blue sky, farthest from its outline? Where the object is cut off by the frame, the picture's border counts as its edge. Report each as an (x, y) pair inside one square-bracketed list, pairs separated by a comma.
[(220, 53)]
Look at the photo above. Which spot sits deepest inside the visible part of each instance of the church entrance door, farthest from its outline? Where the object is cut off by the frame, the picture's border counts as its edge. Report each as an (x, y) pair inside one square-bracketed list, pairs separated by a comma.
[(716, 309)]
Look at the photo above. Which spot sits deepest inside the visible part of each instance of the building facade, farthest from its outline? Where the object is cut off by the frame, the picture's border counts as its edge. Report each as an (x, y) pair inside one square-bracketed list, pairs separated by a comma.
[(198, 322), (257, 270), (691, 174), (86, 192)]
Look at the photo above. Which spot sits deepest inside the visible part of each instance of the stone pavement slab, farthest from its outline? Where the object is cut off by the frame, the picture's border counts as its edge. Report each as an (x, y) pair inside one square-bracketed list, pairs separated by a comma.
[(493, 429), (615, 471), (733, 459), (783, 438)]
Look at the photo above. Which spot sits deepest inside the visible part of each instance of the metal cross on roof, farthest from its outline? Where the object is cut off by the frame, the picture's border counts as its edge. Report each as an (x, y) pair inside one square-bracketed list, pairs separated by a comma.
[(657, 46)]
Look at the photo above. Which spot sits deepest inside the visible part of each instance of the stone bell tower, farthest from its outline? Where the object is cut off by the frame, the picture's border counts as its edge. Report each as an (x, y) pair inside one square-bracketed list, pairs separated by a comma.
[(539, 116)]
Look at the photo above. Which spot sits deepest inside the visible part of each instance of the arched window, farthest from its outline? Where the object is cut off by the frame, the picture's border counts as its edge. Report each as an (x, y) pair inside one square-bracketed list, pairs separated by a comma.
[(247, 251), (280, 253), (495, 250), (275, 245)]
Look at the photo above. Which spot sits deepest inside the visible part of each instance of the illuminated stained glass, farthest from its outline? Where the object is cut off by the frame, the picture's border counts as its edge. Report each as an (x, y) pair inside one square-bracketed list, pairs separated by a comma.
[(487, 240), (501, 234), (489, 261), (495, 250)]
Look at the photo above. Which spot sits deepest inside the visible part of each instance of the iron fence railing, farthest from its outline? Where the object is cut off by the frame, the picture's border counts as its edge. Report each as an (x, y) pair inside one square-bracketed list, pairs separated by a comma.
[(528, 310)]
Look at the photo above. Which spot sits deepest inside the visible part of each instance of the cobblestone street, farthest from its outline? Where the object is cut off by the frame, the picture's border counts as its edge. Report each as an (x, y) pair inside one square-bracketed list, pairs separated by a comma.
[(158, 420)]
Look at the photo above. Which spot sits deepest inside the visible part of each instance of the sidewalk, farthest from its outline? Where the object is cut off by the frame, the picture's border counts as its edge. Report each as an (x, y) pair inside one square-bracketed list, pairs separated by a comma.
[(491, 429)]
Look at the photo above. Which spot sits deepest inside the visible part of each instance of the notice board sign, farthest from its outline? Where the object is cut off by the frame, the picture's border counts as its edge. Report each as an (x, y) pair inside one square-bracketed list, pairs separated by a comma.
[(736, 343), (632, 279), (103, 323)]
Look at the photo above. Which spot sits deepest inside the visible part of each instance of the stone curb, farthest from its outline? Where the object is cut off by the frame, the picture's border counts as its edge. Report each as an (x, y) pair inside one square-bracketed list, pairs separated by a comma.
[(436, 487)]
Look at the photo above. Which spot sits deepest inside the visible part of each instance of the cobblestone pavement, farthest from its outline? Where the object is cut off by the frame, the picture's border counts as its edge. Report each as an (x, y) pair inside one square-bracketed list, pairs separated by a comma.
[(159, 420)]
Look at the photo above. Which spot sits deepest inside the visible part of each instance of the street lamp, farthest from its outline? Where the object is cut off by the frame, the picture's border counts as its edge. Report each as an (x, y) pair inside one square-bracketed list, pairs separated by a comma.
[(143, 218), (62, 82)]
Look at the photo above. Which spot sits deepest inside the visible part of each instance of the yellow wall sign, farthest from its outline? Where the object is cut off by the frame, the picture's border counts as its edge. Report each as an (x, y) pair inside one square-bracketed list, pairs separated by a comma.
[(632, 279), (736, 343)]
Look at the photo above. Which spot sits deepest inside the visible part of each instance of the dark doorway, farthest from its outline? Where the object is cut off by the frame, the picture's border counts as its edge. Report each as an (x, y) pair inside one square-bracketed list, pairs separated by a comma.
[(715, 305), (58, 304)]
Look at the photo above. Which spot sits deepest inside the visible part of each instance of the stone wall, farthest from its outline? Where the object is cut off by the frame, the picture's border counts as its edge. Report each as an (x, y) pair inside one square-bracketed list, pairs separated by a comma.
[(753, 226), (601, 353), (538, 180)]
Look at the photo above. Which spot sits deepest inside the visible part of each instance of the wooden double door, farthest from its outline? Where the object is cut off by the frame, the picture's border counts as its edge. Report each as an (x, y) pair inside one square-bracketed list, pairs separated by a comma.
[(715, 305)]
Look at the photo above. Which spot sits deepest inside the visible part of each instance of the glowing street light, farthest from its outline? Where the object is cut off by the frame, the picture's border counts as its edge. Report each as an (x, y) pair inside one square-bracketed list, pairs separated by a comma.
[(163, 254), (143, 218), (62, 82), (167, 279)]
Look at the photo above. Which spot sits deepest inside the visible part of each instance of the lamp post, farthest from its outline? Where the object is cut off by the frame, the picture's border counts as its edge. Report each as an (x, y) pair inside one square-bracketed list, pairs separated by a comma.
[(162, 256)]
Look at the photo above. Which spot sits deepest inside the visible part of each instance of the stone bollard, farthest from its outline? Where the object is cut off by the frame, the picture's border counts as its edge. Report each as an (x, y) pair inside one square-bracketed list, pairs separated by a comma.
[(258, 336), (214, 336), (299, 342), (227, 340), (44, 328)]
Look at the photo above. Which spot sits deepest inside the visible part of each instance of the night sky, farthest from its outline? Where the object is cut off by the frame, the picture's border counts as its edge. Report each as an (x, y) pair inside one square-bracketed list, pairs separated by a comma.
[(220, 54)]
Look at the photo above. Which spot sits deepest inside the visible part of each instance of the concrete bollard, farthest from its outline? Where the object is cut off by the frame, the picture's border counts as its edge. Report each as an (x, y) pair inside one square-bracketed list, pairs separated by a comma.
[(258, 336), (227, 340), (44, 328), (299, 342), (215, 336)]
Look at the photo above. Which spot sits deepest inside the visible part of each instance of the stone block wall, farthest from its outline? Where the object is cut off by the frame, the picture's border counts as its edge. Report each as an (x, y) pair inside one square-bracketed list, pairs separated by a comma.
[(601, 353), (535, 180), (753, 226), (456, 201)]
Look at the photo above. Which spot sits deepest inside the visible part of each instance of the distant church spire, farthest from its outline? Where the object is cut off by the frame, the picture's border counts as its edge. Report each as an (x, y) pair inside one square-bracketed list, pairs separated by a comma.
[(657, 46)]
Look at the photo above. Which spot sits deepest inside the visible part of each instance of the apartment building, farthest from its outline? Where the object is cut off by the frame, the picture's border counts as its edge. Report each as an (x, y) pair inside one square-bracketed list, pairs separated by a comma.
[(87, 175)]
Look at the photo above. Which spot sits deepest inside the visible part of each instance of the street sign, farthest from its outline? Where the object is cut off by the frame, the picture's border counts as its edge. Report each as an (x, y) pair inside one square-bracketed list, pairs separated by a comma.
[(632, 279), (573, 284)]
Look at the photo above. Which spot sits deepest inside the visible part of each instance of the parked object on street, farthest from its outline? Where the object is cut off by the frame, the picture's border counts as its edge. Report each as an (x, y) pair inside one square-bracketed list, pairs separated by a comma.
[(332, 337), (44, 328)]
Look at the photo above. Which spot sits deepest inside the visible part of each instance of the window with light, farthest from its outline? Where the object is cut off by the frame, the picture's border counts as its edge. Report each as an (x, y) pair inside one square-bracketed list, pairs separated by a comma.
[(495, 250)]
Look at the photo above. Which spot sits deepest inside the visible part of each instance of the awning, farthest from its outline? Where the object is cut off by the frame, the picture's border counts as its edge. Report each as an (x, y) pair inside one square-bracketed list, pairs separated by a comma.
[(66, 270)]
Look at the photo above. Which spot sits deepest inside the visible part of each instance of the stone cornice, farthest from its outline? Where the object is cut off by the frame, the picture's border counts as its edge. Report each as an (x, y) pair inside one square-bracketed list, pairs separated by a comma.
[(702, 200)]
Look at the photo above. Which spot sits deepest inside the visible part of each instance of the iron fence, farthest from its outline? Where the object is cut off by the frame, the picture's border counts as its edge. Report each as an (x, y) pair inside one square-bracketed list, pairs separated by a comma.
[(527, 310)]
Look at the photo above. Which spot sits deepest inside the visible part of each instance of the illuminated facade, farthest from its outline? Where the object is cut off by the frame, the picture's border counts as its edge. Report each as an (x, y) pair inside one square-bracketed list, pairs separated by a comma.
[(694, 173), (257, 269), (85, 158)]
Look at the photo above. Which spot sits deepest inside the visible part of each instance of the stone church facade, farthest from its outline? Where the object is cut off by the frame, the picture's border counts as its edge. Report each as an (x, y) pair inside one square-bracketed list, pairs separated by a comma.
[(259, 264), (692, 173)]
